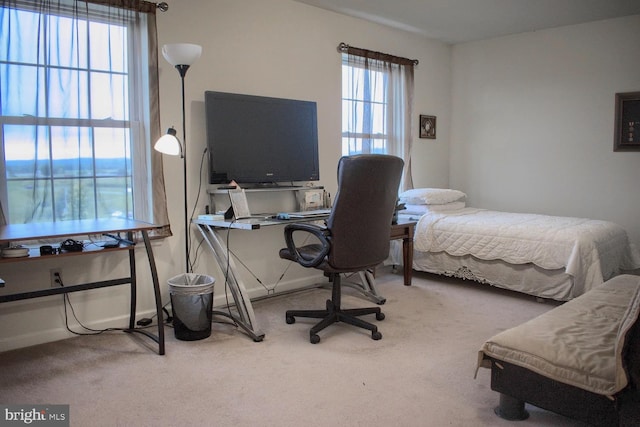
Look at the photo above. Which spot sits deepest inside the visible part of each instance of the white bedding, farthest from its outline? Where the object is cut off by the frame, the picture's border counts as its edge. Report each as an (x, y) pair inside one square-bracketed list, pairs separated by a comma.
[(525, 278), (591, 251)]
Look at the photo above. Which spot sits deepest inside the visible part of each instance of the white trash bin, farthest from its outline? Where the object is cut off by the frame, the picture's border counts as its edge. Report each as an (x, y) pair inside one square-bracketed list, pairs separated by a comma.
[(192, 305)]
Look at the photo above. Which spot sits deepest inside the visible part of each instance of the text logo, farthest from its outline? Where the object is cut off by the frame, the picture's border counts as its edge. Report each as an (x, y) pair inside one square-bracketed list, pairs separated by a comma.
[(34, 415)]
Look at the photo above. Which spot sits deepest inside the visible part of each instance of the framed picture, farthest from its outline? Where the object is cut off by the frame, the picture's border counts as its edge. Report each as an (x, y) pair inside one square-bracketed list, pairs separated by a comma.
[(427, 126), (239, 204), (627, 132)]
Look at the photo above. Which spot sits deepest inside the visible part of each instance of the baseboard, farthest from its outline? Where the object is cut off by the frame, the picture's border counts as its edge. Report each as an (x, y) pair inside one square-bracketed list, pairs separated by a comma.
[(257, 293), (219, 300), (61, 333)]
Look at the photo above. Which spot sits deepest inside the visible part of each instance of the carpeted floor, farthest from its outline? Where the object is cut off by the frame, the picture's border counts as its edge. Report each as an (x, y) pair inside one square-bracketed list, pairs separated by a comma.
[(420, 374)]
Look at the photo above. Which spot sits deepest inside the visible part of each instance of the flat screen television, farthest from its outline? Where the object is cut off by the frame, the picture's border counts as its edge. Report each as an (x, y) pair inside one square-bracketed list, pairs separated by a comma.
[(260, 140)]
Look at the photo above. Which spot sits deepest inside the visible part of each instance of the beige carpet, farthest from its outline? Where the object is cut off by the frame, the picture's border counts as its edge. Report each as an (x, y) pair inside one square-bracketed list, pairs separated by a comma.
[(420, 374)]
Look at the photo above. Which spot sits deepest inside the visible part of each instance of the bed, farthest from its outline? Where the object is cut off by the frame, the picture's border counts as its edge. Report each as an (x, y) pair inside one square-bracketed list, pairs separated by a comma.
[(580, 359), (545, 256)]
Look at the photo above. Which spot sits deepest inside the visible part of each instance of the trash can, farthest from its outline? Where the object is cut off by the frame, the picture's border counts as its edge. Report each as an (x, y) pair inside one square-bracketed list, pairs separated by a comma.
[(192, 303)]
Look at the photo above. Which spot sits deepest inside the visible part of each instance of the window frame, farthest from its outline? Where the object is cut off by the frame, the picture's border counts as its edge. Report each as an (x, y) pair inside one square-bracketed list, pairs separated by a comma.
[(367, 139), (137, 183)]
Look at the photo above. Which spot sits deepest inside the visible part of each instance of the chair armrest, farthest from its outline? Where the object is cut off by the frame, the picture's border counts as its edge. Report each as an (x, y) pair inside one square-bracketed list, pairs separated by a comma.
[(319, 232)]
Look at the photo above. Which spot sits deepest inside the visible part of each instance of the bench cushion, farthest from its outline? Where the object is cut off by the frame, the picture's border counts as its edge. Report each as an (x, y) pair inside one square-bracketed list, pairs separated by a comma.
[(579, 343)]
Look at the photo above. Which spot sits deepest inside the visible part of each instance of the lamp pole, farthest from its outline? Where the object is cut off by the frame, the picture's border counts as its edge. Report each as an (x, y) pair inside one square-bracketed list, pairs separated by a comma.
[(182, 69), (181, 56)]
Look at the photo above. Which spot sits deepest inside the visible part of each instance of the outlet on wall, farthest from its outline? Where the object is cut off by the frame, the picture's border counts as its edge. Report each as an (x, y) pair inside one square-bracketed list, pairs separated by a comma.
[(55, 275)]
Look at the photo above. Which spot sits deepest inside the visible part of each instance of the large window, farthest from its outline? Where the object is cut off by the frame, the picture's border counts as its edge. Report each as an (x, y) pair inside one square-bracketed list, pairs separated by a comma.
[(377, 98), (73, 128), (364, 109)]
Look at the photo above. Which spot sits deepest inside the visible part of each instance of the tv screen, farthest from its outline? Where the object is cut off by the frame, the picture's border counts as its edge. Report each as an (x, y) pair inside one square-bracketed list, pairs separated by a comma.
[(260, 140)]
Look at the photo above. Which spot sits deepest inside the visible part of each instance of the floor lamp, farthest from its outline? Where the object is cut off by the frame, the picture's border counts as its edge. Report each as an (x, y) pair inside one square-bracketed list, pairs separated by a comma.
[(181, 56)]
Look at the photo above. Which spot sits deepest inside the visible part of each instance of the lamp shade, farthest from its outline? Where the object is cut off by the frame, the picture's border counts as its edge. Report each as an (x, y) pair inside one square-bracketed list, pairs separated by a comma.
[(169, 144), (181, 53)]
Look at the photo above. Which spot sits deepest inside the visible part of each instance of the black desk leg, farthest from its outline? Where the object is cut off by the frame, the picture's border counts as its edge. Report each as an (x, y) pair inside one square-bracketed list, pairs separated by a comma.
[(156, 293), (134, 284)]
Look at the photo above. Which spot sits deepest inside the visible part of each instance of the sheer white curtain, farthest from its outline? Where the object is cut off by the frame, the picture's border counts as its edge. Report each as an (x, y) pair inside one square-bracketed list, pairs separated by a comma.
[(377, 98), (78, 111), (400, 125)]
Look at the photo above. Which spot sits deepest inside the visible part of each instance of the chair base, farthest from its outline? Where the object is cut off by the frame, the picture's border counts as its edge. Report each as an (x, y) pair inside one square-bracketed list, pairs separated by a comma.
[(333, 314)]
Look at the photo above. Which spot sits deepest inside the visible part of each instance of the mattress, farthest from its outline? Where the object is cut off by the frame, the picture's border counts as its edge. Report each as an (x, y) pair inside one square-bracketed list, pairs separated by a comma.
[(578, 253)]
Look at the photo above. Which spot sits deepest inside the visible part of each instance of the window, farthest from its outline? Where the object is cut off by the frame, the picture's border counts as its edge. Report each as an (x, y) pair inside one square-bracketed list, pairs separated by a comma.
[(377, 94), (73, 128), (364, 110)]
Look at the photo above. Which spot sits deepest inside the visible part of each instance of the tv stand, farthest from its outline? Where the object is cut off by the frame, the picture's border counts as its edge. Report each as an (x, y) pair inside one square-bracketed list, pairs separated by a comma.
[(214, 189), (268, 185)]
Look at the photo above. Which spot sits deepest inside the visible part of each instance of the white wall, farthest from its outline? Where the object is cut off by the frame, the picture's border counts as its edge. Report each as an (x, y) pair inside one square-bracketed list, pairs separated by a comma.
[(533, 122), (277, 48), (283, 48)]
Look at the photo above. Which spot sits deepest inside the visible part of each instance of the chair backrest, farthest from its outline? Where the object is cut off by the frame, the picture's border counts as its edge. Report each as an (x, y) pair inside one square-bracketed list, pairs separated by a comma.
[(360, 220)]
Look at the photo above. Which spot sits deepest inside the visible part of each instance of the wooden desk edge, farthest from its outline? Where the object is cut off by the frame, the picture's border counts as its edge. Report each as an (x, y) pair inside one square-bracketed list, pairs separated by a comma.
[(34, 231)]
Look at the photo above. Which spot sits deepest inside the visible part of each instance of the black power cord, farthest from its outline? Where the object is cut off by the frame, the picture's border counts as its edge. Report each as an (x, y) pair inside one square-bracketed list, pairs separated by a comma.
[(71, 245), (144, 322)]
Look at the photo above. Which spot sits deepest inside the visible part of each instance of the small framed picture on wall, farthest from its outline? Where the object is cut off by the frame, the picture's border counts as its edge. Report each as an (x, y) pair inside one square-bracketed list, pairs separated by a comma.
[(627, 126), (427, 126)]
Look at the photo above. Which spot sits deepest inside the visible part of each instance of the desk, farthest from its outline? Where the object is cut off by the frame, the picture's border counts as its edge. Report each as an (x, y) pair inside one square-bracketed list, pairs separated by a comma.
[(245, 317), (64, 229)]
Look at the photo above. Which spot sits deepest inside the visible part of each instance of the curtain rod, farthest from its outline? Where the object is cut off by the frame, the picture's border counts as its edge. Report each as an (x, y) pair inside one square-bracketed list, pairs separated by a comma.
[(345, 48), (138, 5)]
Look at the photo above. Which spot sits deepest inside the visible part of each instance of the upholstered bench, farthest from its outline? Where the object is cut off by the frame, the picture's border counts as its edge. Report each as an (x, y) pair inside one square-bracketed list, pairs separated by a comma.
[(580, 359)]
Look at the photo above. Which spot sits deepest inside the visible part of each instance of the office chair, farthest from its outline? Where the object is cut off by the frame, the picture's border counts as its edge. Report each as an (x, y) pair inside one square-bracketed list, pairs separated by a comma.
[(355, 238)]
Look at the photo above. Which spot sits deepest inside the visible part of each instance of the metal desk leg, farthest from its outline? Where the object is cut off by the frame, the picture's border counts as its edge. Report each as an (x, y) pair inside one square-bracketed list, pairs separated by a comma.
[(245, 317), (156, 293), (133, 284), (367, 286)]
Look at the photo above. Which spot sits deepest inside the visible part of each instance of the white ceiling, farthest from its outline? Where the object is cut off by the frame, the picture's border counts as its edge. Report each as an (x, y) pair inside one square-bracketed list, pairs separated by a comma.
[(459, 21)]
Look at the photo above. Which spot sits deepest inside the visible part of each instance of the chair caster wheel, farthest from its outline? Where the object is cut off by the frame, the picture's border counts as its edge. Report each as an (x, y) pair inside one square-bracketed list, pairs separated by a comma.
[(376, 335), (290, 320), (314, 339), (379, 316)]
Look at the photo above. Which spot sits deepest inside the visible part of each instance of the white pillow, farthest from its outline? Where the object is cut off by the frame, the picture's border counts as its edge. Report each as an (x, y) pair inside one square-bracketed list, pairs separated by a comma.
[(431, 196)]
